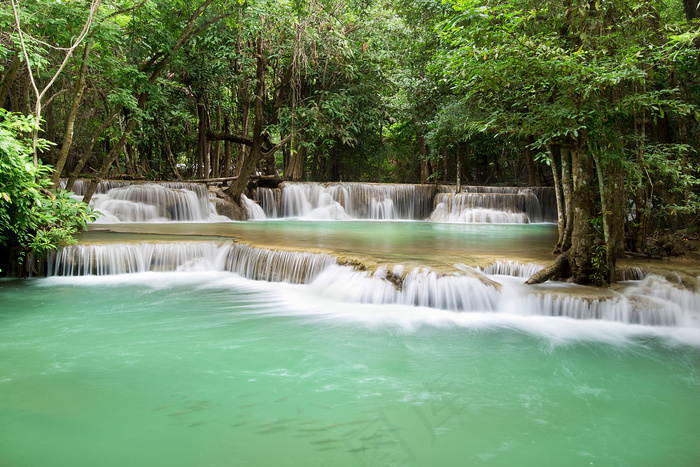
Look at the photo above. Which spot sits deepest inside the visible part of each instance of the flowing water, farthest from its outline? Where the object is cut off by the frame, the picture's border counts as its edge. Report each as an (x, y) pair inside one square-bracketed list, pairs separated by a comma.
[(207, 368), (229, 343)]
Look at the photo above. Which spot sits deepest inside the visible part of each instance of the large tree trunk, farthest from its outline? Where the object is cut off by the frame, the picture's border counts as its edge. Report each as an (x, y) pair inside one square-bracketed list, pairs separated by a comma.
[(610, 186), (251, 161), (216, 155), (567, 191), (559, 192), (532, 177), (584, 254), (296, 161), (226, 169)]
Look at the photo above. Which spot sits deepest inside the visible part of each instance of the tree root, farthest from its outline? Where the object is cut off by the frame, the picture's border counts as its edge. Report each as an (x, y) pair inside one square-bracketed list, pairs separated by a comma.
[(550, 271)]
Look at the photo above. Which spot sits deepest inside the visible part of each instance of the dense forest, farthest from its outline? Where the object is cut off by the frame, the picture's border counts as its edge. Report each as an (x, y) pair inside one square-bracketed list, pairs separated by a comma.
[(596, 98)]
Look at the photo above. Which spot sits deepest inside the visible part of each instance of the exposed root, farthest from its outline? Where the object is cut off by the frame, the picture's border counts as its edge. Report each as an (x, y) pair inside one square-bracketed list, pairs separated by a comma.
[(556, 268)]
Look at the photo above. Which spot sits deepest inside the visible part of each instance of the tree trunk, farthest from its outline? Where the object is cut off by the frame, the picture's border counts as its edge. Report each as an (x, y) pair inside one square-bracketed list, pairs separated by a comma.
[(171, 160), (251, 161), (691, 9), (584, 256), (424, 166), (109, 160), (9, 78), (202, 171), (458, 175), (245, 127), (88, 152), (227, 149), (532, 178), (567, 191), (72, 115), (610, 183), (559, 192), (216, 156), (296, 161)]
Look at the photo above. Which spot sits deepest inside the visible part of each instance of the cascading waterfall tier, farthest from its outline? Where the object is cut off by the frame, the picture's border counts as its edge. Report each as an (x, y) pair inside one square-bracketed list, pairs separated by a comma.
[(129, 258), (546, 197), (344, 201), (347, 201), (80, 186), (500, 208), (121, 201), (150, 202), (512, 268), (276, 265), (420, 287), (651, 301)]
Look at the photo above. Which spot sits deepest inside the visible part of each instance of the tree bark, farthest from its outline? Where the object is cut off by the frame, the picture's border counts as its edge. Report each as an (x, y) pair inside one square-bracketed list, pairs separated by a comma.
[(251, 161), (559, 192), (88, 152), (295, 163), (424, 166), (691, 9), (567, 191), (227, 149), (171, 160), (583, 236), (72, 115), (555, 269), (216, 154), (202, 153), (9, 78)]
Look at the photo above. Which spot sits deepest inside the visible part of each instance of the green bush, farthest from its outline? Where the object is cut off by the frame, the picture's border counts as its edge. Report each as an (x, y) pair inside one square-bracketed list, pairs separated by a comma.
[(33, 219)]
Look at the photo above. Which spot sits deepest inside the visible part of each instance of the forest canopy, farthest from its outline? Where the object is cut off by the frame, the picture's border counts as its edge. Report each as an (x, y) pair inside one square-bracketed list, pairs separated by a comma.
[(596, 98)]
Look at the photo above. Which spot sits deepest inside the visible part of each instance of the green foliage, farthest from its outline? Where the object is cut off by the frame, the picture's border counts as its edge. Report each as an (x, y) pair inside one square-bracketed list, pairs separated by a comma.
[(31, 217)]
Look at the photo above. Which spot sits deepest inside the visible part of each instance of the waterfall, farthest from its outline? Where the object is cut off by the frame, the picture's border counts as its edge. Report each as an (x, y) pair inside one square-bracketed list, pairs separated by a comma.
[(343, 201), (122, 201), (156, 203), (269, 200), (651, 301), (129, 258), (546, 197), (276, 265), (501, 208), (252, 208), (419, 287), (512, 268)]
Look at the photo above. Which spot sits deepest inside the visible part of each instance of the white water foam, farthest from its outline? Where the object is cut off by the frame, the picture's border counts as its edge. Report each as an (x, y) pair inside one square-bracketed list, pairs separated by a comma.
[(156, 203), (650, 302)]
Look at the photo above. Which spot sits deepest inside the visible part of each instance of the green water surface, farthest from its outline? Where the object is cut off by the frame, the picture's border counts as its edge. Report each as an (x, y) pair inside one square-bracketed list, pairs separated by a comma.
[(425, 243), (186, 369)]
